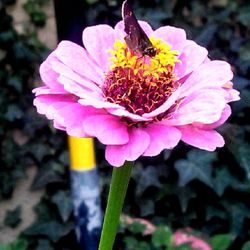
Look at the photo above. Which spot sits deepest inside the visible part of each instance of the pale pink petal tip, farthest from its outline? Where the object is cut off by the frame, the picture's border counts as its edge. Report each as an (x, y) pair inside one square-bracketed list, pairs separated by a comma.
[(204, 139), (98, 40)]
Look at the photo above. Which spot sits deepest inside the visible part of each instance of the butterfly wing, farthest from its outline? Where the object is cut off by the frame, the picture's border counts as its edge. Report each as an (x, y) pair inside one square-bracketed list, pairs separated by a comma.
[(136, 38)]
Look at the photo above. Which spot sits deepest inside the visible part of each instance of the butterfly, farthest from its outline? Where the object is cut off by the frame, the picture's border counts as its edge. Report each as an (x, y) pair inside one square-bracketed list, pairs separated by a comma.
[(136, 38)]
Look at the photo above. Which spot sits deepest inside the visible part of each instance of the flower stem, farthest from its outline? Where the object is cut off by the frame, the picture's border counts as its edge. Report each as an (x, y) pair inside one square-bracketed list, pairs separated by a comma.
[(117, 193)]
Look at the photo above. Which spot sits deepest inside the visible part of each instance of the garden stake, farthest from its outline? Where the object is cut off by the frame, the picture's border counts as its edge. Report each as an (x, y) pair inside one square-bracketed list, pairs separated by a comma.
[(85, 192)]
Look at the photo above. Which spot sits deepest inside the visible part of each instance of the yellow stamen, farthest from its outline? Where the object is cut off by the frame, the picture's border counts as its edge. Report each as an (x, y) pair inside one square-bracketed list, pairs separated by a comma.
[(153, 66)]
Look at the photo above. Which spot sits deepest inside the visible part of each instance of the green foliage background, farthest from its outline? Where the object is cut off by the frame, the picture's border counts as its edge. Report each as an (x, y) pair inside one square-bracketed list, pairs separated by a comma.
[(186, 187)]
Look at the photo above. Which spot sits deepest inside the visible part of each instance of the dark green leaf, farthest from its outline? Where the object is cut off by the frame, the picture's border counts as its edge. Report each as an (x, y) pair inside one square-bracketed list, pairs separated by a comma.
[(44, 245), (13, 217), (185, 246), (162, 237), (130, 243), (64, 205), (222, 180), (213, 212), (16, 83), (238, 212), (243, 16), (45, 176), (184, 195), (53, 230), (147, 207), (13, 113), (240, 149), (245, 52), (137, 227), (143, 245), (197, 166), (148, 177), (19, 244), (246, 246), (221, 241)]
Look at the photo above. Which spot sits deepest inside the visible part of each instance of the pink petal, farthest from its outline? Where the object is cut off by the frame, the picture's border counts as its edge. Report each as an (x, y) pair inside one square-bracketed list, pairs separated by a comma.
[(213, 73), (121, 112), (78, 89), (224, 116), (66, 112), (49, 77), (44, 103), (174, 36), (98, 103), (66, 71), (120, 33), (109, 130), (202, 106), (116, 155), (98, 40), (77, 59), (44, 90), (233, 95), (73, 116), (204, 139), (57, 125), (161, 137), (191, 57)]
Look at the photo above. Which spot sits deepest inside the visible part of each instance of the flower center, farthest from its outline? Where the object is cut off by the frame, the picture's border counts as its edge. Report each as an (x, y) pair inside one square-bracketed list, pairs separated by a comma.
[(141, 83)]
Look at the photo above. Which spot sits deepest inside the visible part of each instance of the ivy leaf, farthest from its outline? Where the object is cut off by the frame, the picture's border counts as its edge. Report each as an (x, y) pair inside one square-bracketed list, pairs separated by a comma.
[(185, 246), (243, 157), (222, 180), (221, 241), (207, 35), (197, 166), (245, 53), (44, 245), (243, 16), (13, 217), (137, 227), (246, 246), (52, 229), (13, 112), (145, 178), (238, 212), (64, 204), (19, 244), (45, 176), (91, 1), (132, 243), (39, 151), (16, 83), (238, 147), (162, 237), (212, 212), (147, 207), (184, 195)]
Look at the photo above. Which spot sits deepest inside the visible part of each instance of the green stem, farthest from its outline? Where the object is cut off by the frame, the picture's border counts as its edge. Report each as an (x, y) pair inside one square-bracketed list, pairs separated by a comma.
[(117, 193)]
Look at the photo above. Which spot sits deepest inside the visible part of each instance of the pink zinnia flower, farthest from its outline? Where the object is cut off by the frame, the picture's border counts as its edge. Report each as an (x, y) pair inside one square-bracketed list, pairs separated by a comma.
[(136, 105)]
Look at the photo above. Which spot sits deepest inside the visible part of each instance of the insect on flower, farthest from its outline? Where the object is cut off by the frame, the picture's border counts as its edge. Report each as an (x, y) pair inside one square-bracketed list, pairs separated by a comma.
[(136, 39)]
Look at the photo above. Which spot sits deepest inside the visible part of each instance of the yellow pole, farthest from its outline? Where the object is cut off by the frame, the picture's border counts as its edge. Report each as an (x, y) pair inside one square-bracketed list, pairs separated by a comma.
[(85, 192), (82, 156)]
